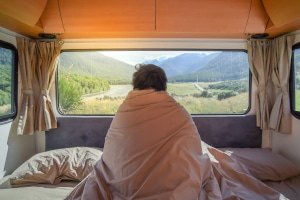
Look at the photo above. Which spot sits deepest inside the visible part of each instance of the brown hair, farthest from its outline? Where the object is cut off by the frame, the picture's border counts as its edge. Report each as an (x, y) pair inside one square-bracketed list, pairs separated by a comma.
[(149, 76)]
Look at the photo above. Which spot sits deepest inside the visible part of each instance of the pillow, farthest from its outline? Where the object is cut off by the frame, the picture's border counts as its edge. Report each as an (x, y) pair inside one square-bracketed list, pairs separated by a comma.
[(264, 164), (56, 165)]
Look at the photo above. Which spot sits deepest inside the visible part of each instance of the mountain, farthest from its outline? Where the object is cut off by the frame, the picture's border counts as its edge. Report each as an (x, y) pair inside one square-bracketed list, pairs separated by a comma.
[(183, 64), (6, 58), (95, 64), (225, 66), (187, 67)]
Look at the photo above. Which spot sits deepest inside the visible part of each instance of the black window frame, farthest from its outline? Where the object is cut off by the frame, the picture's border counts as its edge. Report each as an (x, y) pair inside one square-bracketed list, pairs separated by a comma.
[(164, 49), (292, 94), (14, 83)]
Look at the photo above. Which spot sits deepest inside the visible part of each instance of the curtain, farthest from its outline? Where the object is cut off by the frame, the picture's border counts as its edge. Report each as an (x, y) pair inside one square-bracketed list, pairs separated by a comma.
[(280, 119), (27, 54), (45, 72), (259, 52), (37, 66)]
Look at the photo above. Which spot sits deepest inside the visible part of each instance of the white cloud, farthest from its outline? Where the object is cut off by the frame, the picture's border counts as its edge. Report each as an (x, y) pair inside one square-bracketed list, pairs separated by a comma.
[(136, 57)]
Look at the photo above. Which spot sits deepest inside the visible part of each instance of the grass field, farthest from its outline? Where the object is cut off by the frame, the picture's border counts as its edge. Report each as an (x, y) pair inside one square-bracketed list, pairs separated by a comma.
[(182, 93), (6, 109), (297, 106)]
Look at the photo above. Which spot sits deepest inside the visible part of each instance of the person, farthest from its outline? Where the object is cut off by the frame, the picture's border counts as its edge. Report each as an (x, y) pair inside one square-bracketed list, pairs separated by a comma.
[(149, 76), (152, 149)]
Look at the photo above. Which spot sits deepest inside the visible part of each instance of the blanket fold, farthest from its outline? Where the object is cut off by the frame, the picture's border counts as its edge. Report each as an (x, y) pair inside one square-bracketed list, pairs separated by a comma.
[(153, 151)]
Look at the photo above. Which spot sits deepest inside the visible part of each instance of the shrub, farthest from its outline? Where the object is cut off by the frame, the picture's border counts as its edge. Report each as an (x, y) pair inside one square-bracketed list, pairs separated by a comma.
[(226, 94), (206, 94), (5, 98), (70, 94)]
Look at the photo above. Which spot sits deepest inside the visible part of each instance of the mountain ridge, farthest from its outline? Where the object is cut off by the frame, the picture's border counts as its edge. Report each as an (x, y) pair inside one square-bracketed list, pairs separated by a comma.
[(186, 67)]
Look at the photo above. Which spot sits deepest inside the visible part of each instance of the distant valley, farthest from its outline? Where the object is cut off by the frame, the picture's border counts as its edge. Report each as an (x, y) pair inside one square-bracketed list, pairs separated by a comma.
[(188, 67)]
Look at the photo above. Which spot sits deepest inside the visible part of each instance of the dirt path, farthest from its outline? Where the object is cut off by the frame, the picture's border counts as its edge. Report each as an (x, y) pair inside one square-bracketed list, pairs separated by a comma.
[(197, 86), (115, 91)]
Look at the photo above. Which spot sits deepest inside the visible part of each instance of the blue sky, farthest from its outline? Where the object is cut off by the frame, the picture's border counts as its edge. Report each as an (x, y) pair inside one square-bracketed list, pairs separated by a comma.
[(135, 57)]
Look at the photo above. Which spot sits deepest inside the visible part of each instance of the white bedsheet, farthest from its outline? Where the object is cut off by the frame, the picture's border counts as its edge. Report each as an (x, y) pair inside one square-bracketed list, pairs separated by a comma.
[(35, 192)]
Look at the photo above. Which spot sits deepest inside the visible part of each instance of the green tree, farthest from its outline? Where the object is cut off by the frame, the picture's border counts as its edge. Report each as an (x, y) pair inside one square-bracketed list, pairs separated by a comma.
[(70, 94)]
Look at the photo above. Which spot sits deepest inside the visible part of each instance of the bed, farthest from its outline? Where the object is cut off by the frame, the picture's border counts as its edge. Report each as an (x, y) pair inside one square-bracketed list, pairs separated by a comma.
[(38, 191), (270, 168), (68, 160), (51, 174)]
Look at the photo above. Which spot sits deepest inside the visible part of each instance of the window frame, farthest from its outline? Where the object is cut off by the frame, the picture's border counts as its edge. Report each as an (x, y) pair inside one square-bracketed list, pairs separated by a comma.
[(158, 49), (14, 83), (292, 94)]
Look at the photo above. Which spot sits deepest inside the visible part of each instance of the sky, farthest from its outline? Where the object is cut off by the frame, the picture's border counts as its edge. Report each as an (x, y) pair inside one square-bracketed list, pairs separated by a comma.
[(135, 57)]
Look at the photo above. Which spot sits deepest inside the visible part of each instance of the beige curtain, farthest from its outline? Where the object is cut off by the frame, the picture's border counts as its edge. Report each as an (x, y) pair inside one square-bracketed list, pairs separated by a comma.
[(37, 66), (45, 72), (280, 119), (259, 52), (26, 53)]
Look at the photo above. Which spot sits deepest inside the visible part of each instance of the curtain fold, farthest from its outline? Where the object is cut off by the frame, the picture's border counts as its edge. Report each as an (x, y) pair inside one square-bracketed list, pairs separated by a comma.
[(26, 53), (45, 72), (280, 118), (259, 52), (37, 66), (270, 59)]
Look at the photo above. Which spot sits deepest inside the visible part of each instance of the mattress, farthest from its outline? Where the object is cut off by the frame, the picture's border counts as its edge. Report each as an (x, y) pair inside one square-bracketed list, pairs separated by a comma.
[(54, 174), (37, 191)]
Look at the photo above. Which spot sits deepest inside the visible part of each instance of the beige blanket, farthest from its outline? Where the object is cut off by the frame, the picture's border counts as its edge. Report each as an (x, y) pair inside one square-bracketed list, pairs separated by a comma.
[(153, 151)]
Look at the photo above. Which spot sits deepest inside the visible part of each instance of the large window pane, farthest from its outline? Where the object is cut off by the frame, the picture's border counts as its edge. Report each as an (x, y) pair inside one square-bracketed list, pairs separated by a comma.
[(204, 82), (295, 81), (7, 81)]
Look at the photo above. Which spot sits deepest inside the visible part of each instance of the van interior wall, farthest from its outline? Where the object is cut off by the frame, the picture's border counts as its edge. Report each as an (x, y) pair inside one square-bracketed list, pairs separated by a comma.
[(14, 149), (284, 144), (288, 145)]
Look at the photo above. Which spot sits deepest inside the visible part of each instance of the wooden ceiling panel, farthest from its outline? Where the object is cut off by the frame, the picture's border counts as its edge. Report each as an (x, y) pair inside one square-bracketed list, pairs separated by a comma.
[(258, 18), (107, 15), (27, 12), (18, 27), (202, 16), (150, 18), (282, 12), (275, 31), (51, 20)]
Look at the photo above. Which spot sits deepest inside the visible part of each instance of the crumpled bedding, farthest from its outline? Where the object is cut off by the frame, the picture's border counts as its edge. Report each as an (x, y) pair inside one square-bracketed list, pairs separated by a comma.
[(289, 187), (153, 151), (35, 191)]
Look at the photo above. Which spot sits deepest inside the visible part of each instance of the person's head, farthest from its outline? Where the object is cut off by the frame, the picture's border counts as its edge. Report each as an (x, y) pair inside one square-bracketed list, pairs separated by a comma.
[(149, 76)]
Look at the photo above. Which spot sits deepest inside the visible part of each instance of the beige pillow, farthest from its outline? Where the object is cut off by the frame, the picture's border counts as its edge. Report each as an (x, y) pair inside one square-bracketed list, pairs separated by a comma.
[(53, 166), (264, 164)]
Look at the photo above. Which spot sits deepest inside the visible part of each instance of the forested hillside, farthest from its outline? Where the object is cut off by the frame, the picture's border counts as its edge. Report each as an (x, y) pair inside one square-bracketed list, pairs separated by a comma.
[(187, 67), (96, 64), (5, 76), (297, 68), (226, 66)]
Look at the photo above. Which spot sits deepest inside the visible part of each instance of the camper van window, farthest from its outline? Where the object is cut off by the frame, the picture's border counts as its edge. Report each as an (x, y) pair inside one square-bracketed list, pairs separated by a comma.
[(8, 81), (295, 81), (204, 82)]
